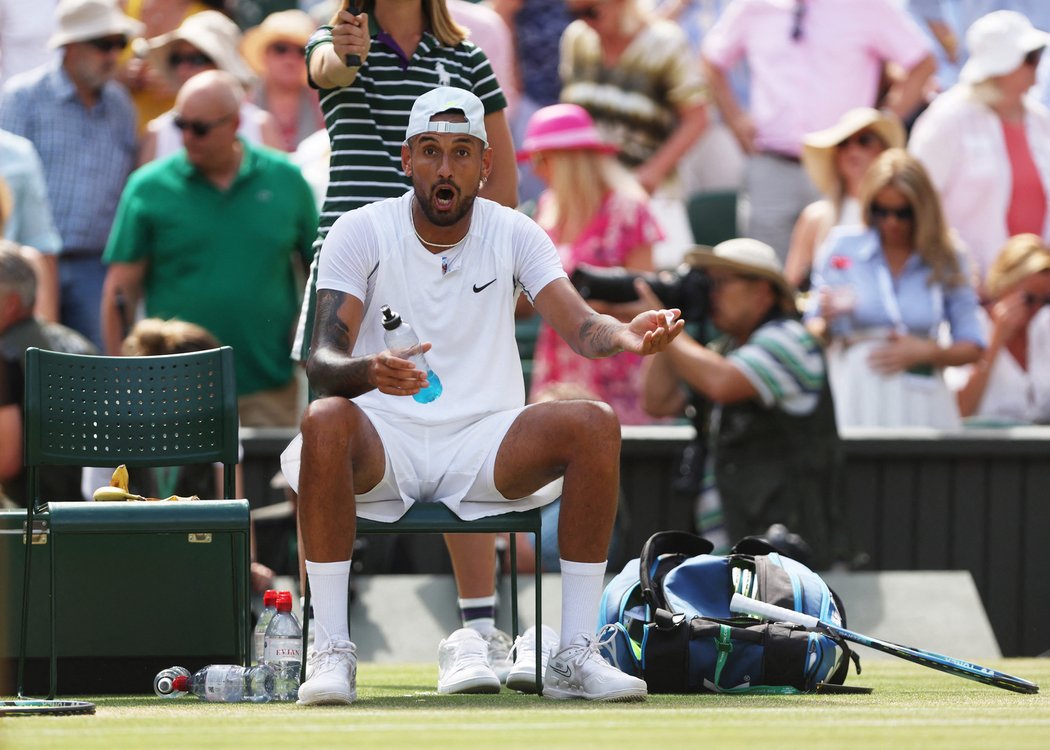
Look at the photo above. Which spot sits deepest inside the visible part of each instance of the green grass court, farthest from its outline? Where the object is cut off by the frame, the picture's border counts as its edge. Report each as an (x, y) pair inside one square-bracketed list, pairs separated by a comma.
[(398, 707)]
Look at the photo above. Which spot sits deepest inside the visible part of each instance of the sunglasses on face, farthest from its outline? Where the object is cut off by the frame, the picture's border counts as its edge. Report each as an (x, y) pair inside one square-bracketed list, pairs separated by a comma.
[(198, 127), (1033, 300), (285, 48), (109, 44), (880, 213), (863, 140), (585, 12), (1033, 57), (196, 59)]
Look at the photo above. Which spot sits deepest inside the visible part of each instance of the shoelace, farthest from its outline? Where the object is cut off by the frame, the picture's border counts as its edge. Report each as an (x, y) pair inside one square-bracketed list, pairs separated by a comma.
[(321, 658), (593, 645), (499, 644)]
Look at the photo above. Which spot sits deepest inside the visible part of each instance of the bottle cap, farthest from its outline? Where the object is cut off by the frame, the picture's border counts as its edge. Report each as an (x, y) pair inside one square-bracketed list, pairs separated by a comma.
[(284, 601), (181, 684), (391, 319), (270, 598)]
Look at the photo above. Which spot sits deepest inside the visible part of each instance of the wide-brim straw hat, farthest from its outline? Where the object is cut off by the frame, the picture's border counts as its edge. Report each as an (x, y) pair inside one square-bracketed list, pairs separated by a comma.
[(818, 148), (1023, 255), (291, 26), (213, 34), (997, 43), (750, 257), (83, 20)]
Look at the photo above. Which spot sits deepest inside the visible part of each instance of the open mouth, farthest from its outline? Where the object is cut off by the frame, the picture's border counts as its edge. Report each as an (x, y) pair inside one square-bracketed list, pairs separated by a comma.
[(444, 197)]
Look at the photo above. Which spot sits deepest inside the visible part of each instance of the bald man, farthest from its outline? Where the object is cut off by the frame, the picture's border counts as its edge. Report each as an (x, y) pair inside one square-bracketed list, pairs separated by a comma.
[(211, 235)]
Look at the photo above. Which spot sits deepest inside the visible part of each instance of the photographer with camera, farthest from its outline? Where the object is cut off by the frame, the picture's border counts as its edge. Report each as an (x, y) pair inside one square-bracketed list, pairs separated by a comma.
[(767, 450)]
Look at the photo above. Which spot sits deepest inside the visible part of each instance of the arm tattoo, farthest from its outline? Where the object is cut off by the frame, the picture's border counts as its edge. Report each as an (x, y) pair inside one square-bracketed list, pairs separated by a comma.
[(331, 369), (596, 336)]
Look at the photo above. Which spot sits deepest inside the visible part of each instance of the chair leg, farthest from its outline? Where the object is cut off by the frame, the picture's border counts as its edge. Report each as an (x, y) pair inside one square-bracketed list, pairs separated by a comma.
[(23, 647), (53, 607), (513, 586), (537, 547)]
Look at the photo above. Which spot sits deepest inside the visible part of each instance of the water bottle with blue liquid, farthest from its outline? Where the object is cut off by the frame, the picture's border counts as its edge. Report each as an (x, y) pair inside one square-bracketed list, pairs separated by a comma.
[(400, 337)]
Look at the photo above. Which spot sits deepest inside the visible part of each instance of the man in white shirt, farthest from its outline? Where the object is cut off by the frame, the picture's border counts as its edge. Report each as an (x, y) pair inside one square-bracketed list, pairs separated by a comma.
[(453, 264)]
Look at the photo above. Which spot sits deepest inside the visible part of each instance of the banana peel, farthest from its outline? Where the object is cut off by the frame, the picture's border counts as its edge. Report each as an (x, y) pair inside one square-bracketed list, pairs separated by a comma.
[(120, 478), (111, 494)]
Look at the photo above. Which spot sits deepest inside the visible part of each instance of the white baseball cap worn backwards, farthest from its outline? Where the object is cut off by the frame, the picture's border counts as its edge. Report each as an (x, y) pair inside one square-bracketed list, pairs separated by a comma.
[(445, 99)]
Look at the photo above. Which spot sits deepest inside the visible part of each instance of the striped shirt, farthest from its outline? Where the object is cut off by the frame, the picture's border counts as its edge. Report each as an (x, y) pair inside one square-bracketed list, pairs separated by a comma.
[(87, 153), (366, 125), (785, 364)]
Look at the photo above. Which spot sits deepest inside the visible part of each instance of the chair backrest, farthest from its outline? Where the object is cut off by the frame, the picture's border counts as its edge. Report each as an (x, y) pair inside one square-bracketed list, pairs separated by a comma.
[(712, 216), (171, 410)]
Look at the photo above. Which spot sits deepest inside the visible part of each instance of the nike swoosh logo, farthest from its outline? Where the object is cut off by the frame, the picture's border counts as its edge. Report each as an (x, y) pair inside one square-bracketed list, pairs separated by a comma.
[(483, 286), (563, 671)]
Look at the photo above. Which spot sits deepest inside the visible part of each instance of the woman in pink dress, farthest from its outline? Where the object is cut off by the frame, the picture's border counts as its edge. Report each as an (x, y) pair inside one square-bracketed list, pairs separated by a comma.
[(596, 213)]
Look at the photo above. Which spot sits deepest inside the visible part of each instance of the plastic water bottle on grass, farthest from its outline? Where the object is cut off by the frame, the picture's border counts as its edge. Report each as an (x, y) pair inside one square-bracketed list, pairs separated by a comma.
[(219, 683), (269, 610), (283, 649), (399, 337)]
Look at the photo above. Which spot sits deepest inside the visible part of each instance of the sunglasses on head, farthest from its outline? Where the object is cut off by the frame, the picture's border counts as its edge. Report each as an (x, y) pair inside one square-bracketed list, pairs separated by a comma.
[(1033, 300), (109, 44), (585, 12), (1033, 57), (196, 59), (865, 139), (286, 48), (884, 212), (198, 127)]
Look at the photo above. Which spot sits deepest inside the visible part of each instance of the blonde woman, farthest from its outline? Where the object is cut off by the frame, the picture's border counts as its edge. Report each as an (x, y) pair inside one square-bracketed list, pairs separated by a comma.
[(596, 213), (836, 160), (882, 293), (1011, 381)]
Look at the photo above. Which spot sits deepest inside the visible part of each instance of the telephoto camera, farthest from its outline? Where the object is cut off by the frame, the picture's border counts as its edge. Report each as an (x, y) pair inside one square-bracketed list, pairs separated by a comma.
[(685, 288)]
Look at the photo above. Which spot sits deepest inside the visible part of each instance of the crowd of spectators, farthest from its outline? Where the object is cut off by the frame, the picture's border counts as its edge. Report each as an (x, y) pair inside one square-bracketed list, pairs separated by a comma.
[(895, 154)]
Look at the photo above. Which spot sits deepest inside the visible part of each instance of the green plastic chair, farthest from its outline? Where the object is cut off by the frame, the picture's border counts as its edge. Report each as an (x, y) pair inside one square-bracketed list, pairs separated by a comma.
[(436, 518), (101, 411), (712, 216)]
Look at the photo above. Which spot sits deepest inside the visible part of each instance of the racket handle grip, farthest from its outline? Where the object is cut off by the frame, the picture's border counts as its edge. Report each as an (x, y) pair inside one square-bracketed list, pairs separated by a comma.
[(748, 606)]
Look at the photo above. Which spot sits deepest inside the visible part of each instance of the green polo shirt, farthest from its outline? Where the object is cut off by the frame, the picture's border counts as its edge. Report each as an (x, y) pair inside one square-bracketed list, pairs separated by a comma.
[(222, 258)]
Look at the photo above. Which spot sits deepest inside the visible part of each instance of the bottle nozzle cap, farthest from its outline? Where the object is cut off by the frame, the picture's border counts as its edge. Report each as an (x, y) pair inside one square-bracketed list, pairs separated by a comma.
[(181, 683), (284, 601), (391, 319)]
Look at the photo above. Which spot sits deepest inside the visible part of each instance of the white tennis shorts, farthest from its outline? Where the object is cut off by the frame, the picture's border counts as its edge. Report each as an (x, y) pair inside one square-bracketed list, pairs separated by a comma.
[(451, 464)]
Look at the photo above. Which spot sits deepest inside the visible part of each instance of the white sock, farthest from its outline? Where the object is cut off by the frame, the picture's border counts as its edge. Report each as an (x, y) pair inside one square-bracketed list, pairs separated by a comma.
[(581, 593), (329, 594)]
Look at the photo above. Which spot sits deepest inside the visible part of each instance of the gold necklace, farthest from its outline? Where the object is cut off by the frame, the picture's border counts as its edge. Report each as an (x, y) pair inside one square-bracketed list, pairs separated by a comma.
[(436, 244)]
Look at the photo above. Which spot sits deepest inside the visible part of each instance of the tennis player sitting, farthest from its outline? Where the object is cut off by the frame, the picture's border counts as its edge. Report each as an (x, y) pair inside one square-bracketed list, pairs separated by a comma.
[(452, 265)]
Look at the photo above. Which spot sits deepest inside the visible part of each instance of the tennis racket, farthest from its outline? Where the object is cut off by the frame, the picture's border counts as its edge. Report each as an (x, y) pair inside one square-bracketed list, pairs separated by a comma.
[(949, 664), (31, 707)]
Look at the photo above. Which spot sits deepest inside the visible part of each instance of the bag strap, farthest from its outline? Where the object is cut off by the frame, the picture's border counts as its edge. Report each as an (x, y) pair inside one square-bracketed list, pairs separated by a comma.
[(680, 543)]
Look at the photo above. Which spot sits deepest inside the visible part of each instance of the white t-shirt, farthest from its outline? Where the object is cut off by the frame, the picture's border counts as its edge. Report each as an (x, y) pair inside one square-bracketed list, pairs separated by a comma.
[(461, 301)]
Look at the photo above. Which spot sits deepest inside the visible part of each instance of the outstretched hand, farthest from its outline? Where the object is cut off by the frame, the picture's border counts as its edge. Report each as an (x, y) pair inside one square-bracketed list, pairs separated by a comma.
[(652, 331), (393, 374)]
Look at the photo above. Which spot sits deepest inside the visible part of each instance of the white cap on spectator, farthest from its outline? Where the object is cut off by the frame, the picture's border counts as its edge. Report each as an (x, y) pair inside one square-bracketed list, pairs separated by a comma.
[(998, 43), (445, 99), (83, 20)]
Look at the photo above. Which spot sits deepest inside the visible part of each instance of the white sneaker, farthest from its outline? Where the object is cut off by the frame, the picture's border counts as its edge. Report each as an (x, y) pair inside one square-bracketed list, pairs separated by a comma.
[(579, 671), (463, 664), (332, 676), (522, 676), (499, 653)]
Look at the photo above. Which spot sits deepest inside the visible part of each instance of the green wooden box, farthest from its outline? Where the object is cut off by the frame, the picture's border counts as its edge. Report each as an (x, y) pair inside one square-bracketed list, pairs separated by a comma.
[(139, 587)]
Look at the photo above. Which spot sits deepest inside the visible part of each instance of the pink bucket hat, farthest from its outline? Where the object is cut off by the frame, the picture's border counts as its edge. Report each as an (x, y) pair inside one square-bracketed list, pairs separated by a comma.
[(562, 126)]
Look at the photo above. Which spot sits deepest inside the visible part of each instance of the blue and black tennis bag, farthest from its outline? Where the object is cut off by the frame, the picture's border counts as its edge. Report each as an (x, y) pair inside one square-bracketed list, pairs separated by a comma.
[(670, 609)]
